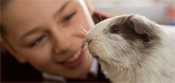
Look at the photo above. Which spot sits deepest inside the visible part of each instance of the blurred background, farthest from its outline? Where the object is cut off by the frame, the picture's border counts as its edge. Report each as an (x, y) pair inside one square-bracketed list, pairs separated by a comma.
[(161, 11)]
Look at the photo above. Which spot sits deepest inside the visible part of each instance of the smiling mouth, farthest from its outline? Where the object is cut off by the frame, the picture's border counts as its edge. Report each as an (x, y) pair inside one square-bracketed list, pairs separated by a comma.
[(76, 60)]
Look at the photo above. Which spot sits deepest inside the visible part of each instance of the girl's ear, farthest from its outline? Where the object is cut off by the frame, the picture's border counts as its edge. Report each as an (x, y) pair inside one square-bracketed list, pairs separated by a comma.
[(1, 42), (14, 53), (1, 45)]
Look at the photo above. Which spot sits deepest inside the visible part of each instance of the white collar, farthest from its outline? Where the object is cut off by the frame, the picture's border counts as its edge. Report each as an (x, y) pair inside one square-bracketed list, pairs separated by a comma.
[(94, 67), (93, 70)]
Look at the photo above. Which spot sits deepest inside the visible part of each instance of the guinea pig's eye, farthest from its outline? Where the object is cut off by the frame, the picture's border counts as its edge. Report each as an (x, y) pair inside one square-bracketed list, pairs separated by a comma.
[(114, 29)]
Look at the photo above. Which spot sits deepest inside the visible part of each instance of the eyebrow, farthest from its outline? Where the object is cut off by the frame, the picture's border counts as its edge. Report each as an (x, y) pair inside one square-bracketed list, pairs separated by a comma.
[(39, 28), (62, 8), (31, 32)]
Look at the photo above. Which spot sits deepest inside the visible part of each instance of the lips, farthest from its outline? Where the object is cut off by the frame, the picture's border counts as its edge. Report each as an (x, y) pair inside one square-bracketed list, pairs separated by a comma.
[(75, 61)]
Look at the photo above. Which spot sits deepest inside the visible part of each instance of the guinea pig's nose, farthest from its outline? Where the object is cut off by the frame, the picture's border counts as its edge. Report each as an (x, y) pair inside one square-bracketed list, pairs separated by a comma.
[(88, 40)]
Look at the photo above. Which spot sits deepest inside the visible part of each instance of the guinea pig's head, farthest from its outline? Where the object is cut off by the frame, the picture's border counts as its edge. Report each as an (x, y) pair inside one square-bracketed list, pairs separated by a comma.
[(123, 36)]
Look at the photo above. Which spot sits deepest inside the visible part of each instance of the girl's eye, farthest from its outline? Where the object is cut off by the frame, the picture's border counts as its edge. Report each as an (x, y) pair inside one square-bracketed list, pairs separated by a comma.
[(38, 40), (68, 17)]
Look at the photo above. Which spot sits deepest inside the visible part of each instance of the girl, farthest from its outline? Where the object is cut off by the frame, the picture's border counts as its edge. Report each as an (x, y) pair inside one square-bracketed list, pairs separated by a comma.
[(49, 34)]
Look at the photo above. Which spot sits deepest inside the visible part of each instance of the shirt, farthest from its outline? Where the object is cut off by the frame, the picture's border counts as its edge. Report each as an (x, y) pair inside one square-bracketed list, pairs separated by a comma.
[(60, 79)]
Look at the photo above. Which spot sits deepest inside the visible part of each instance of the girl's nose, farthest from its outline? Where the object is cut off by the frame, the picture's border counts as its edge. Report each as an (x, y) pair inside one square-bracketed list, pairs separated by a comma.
[(61, 45), (61, 51)]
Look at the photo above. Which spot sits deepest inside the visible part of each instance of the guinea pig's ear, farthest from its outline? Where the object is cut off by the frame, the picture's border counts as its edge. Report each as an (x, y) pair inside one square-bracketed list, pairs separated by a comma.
[(142, 25), (139, 27)]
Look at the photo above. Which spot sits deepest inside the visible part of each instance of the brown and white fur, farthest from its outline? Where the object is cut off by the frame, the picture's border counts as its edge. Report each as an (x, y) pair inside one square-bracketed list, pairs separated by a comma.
[(133, 49)]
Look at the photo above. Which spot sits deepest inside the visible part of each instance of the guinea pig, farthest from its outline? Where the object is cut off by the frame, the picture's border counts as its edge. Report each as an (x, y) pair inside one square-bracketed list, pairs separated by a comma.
[(134, 49)]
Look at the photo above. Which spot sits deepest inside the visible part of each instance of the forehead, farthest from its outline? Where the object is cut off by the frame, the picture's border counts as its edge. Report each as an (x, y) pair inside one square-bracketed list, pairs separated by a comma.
[(20, 10), (30, 13)]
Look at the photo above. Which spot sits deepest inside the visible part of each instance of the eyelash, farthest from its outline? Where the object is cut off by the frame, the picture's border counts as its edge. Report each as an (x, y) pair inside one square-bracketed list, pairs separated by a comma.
[(68, 17), (38, 40)]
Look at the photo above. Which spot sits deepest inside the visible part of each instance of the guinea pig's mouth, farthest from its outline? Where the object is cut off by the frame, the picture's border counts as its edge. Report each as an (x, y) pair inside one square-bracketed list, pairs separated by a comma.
[(96, 56), (91, 48), (93, 53)]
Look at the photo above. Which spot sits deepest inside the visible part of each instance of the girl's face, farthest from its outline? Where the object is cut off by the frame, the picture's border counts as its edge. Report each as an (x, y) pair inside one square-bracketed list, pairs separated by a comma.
[(49, 34)]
